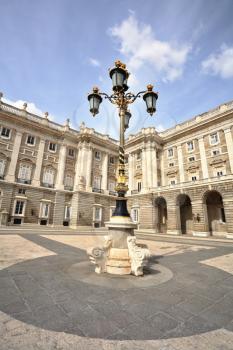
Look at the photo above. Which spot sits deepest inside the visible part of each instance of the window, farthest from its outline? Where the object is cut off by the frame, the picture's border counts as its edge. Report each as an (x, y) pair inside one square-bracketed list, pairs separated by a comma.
[(214, 138), (22, 191), (19, 206), (111, 160), (2, 167), (30, 140), (194, 178), (134, 215), (215, 152), (173, 182), (97, 213), (69, 181), (97, 155), (126, 160), (5, 132), (139, 184), (52, 147), (48, 176), (220, 173), (25, 172), (45, 210), (171, 164), (139, 156), (191, 159), (67, 212), (190, 146), (97, 182), (71, 152), (170, 152)]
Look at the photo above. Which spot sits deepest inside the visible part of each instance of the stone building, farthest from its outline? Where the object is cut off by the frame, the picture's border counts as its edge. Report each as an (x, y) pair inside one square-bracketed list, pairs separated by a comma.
[(180, 180)]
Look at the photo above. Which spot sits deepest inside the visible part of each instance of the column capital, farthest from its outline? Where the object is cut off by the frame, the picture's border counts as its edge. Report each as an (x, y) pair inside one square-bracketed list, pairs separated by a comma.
[(227, 130)]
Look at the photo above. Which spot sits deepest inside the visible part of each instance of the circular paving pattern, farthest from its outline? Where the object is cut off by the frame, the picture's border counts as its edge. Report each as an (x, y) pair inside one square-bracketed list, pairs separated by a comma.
[(61, 292), (153, 276)]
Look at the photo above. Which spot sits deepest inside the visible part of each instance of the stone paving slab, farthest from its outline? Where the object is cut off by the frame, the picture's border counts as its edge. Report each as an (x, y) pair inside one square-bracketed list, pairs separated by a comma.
[(42, 306)]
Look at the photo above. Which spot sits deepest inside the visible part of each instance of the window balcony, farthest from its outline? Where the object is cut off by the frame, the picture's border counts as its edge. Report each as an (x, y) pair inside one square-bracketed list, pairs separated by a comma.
[(45, 184), (23, 181), (68, 188), (97, 190)]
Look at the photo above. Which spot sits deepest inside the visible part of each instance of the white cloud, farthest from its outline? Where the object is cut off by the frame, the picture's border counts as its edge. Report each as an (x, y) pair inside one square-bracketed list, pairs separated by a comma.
[(220, 63), (140, 47), (94, 62)]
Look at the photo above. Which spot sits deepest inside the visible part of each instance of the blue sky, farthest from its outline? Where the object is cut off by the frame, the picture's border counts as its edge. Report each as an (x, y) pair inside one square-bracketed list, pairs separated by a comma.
[(53, 52)]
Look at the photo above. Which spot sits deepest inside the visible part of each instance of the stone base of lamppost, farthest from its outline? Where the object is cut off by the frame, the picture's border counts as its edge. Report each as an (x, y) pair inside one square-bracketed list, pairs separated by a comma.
[(120, 255)]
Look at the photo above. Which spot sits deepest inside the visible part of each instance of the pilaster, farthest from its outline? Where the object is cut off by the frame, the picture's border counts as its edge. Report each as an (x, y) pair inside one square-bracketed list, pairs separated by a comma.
[(204, 166), (61, 168), (180, 162), (229, 143), (14, 157), (39, 162), (104, 184)]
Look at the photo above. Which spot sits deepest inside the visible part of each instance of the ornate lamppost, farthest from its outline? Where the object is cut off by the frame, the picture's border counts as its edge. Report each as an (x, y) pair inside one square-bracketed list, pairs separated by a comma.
[(121, 225)]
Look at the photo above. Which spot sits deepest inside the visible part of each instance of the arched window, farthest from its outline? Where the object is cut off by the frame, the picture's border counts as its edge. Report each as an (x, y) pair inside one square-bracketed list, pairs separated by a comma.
[(2, 167), (69, 180), (25, 171), (48, 176)]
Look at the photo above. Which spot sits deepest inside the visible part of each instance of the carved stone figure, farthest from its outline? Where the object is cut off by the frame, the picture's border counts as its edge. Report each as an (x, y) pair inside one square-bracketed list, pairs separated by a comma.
[(139, 255), (99, 255)]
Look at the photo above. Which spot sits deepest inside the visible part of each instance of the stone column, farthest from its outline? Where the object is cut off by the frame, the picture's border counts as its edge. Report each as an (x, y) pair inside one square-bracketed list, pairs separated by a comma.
[(144, 170), (229, 143), (77, 169), (162, 169), (14, 157), (154, 167), (104, 184), (89, 169), (180, 162), (149, 165), (61, 168), (204, 166), (130, 172), (39, 162)]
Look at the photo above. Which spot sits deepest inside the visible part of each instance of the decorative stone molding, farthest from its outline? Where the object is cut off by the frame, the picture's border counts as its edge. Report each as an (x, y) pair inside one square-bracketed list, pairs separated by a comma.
[(99, 255), (139, 255)]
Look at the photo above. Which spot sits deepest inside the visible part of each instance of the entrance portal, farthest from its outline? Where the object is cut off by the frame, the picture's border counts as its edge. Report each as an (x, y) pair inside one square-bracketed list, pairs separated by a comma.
[(215, 212), (185, 213), (161, 220)]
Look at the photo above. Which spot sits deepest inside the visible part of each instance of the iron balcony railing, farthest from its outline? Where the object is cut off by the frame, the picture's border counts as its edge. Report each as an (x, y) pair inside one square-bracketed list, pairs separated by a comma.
[(23, 181), (45, 184)]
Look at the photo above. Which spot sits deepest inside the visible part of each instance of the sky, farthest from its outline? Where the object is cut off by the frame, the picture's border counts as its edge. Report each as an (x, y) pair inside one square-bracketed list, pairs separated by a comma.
[(53, 52)]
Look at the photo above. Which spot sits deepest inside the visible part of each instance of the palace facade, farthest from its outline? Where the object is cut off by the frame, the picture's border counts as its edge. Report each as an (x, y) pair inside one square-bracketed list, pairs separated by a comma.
[(180, 180)]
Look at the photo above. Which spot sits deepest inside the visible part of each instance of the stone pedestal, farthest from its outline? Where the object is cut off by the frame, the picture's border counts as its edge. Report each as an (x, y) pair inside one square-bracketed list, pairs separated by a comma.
[(120, 255)]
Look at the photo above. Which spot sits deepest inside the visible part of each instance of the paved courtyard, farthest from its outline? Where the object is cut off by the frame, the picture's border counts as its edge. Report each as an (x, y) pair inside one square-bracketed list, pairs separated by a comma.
[(50, 297)]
